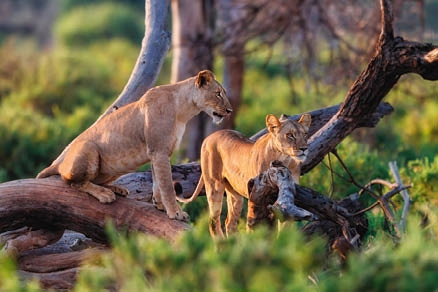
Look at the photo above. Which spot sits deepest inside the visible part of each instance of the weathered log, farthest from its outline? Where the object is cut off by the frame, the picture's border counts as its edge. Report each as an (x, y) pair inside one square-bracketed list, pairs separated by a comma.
[(272, 196), (52, 204), (48, 263), (59, 280), (25, 238)]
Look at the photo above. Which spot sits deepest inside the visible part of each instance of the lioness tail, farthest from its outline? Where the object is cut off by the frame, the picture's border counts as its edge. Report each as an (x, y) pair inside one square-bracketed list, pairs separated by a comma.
[(195, 193), (48, 171)]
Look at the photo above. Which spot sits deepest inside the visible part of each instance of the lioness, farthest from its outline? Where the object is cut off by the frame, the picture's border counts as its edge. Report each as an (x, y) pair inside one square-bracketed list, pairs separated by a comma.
[(147, 130), (229, 160)]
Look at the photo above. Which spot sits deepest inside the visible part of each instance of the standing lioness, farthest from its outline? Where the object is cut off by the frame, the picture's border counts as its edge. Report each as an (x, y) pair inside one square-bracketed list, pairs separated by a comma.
[(229, 160), (147, 130)]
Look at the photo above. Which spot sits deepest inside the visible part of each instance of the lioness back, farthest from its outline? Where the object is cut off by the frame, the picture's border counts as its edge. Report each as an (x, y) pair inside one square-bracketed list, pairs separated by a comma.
[(226, 153)]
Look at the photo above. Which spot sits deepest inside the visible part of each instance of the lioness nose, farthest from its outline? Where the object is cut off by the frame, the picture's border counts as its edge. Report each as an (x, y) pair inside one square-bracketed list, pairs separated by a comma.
[(303, 148)]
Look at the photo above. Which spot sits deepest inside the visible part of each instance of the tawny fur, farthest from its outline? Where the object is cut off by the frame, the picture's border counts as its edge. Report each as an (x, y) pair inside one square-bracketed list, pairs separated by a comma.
[(148, 130), (229, 160)]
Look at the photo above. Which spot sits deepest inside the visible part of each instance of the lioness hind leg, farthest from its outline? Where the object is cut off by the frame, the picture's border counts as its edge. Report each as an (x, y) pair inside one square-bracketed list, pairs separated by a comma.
[(103, 194), (81, 166), (234, 205), (215, 194)]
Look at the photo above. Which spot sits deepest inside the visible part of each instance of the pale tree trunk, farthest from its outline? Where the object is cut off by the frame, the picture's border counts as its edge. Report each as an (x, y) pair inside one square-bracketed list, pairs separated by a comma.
[(234, 59), (192, 28), (154, 48)]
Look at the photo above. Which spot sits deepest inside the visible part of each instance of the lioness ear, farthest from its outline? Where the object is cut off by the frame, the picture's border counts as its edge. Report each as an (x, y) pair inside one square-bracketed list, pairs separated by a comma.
[(283, 117), (272, 123), (203, 78), (305, 120)]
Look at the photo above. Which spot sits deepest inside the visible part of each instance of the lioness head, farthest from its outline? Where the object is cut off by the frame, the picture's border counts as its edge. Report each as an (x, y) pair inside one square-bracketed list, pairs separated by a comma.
[(290, 137), (212, 99)]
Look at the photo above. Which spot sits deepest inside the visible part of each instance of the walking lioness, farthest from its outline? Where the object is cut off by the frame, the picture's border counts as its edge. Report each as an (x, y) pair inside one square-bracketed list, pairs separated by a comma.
[(229, 160), (147, 130)]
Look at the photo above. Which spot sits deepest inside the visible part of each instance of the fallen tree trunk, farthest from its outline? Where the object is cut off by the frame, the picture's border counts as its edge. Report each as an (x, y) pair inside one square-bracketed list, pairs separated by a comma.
[(51, 204)]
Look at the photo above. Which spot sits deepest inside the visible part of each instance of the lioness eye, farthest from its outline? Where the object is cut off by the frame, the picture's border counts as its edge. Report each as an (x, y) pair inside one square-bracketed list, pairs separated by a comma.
[(290, 136), (218, 94)]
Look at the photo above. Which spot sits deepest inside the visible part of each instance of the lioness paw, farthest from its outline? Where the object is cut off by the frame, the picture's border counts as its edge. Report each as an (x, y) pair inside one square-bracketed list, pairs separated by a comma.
[(178, 215), (121, 191), (105, 197)]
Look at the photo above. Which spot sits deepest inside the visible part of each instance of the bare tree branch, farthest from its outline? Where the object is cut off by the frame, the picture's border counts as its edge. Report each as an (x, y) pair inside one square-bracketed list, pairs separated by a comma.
[(154, 47)]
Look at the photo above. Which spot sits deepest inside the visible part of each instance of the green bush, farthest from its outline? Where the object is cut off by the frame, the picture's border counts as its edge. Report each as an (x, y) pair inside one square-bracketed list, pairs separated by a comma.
[(53, 98), (68, 5), (84, 25), (258, 261), (412, 265), (423, 175), (247, 262)]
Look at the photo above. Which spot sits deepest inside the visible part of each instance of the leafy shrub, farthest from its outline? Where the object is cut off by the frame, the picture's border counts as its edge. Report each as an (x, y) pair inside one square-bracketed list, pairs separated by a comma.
[(67, 5), (257, 261), (423, 175), (412, 265), (55, 97), (9, 279), (84, 25)]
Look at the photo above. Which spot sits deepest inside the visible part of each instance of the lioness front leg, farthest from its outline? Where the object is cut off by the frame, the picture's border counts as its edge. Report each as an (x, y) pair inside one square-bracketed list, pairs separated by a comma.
[(163, 180)]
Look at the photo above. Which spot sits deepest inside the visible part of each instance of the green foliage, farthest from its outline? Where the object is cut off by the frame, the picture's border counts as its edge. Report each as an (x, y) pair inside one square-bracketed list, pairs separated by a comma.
[(9, 279), (424, 179), (84, 25), (67, 5), (257, 261), (52, 98), (412, 265)]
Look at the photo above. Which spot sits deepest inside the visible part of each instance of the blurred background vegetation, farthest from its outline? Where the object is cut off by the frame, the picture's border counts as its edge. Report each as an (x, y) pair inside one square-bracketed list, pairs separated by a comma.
[(51, 89)]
